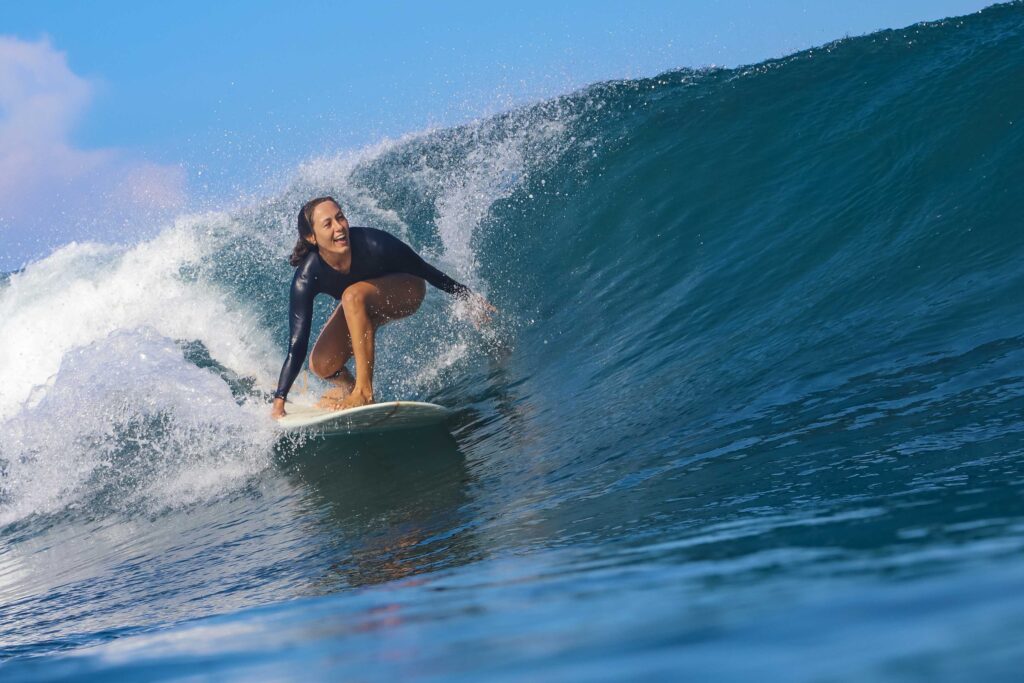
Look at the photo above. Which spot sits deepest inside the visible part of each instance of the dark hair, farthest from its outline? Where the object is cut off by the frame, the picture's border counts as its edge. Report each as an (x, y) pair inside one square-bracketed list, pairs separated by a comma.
[(305, 226)]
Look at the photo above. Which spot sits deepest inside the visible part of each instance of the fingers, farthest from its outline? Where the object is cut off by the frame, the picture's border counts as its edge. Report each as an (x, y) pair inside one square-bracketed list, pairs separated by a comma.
[(481, 314), (483, 311)]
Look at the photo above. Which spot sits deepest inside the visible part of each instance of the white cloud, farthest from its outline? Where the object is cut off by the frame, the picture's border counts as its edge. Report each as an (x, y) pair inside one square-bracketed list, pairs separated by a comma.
[(50, 191)]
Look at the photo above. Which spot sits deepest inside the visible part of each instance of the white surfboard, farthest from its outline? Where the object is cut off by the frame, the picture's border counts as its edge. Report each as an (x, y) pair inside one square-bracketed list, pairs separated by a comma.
[(376, 417)]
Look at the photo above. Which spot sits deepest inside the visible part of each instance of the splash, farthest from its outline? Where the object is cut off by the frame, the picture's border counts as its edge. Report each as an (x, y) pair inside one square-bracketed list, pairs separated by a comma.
[(158, 432), (134, 376)]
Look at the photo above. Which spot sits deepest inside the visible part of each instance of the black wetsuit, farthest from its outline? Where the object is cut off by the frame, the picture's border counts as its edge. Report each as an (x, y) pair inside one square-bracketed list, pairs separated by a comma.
[(374, 253)]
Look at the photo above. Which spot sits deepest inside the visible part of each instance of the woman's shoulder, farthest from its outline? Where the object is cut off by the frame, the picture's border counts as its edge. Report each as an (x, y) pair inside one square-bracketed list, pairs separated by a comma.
[(363, 232), (308, 269), (308, 261), (374, 237)]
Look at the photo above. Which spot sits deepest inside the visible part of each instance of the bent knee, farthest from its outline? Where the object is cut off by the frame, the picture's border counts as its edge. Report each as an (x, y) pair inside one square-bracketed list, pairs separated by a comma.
[(322, 369), (355, 295)]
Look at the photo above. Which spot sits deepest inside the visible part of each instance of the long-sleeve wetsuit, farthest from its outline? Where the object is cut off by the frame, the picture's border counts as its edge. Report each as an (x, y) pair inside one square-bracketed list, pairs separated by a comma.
[(374, 253)]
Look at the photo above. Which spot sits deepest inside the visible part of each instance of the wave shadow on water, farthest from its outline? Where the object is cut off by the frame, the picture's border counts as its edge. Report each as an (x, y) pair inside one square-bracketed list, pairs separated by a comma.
[(398, 504)]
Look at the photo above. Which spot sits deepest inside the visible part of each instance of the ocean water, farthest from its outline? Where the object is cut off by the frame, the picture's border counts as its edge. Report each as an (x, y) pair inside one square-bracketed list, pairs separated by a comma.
[(753, 408)]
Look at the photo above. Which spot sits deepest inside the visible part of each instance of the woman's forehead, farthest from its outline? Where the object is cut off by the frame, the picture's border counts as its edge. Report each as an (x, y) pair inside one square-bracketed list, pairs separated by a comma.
[(325, 210)]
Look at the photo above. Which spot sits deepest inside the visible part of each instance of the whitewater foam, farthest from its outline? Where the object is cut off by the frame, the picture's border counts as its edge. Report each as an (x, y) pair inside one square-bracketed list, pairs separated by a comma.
[(101, 400), (92, 369), (83, 292), (126, 422)]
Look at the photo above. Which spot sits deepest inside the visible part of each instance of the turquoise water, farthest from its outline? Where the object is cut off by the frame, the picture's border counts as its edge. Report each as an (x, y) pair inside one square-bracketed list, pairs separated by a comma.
[(753, 407)]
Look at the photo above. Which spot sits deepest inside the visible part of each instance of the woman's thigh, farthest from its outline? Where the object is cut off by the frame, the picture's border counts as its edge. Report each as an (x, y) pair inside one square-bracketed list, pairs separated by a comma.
[(333, 346), (386, 298)]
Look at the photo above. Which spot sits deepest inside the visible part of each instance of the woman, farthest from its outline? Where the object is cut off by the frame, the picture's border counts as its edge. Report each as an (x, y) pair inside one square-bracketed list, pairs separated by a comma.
[(376, 277)]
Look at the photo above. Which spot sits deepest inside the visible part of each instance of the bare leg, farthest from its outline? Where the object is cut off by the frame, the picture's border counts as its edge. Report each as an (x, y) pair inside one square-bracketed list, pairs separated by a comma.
[(350, 331), (367, 306), (343, 382), (330, 353)]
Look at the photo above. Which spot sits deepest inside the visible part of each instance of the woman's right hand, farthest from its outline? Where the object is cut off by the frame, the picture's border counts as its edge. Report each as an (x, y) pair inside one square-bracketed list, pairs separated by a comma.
[(277, 412)]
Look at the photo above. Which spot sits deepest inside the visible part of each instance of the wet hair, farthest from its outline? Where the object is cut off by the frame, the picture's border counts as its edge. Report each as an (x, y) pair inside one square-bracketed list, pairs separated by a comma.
[(305, 226)]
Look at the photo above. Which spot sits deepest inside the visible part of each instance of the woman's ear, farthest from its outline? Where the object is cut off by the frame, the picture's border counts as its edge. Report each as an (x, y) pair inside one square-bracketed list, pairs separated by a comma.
[(311, 239)]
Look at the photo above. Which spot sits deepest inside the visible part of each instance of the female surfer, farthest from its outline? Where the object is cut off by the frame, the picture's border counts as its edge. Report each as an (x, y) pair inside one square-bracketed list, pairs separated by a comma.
[(376, 278)]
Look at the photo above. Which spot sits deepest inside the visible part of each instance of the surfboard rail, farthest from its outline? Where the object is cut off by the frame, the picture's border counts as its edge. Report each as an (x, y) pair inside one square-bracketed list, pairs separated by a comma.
[(376, 417)]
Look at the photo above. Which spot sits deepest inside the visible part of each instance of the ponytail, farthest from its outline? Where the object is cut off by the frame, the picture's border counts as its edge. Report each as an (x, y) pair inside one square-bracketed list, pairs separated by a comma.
[(305, 226), (301, 250)]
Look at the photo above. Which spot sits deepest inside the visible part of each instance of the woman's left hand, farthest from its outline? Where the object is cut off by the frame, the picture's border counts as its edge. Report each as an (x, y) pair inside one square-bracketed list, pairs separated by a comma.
[(481, 311)]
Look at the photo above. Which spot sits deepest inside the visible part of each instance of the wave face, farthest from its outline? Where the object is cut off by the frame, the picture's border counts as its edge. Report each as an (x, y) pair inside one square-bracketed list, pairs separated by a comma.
[(757, 385)]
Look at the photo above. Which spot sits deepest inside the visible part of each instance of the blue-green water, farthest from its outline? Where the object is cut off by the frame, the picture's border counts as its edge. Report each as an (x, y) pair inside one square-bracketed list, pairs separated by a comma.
[(753, 408)]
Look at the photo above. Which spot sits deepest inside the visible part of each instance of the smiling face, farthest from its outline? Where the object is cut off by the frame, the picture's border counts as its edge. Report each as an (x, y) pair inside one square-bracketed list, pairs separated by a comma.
[(330, 229)]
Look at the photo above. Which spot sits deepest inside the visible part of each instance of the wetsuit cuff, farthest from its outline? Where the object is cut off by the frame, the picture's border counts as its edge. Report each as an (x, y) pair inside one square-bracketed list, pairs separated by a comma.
[(281, 394)]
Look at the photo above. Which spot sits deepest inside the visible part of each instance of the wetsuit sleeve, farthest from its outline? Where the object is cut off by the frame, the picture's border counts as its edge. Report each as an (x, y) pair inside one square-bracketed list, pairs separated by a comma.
[(300, 318), (406, 260)]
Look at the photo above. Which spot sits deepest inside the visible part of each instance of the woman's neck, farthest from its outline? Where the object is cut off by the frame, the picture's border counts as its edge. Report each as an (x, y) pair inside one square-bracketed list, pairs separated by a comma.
[(339, 262)]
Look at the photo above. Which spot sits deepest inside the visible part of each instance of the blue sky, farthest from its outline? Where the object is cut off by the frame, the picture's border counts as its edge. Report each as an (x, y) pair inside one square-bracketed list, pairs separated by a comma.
[(156, 108)]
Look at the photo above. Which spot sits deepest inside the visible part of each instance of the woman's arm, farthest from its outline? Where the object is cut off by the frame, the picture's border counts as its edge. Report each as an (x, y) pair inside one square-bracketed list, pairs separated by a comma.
[(412, 263), (399, 257), (300, 319), (408, 261)]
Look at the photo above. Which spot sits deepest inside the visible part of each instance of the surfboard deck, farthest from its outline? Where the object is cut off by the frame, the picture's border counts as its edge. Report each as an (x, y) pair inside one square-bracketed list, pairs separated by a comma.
[(376, 417)]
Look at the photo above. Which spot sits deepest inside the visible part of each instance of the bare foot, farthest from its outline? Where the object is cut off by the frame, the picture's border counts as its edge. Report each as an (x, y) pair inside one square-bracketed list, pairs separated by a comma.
[(333, 397), (358, 397), (328, 404), (277, 412)]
